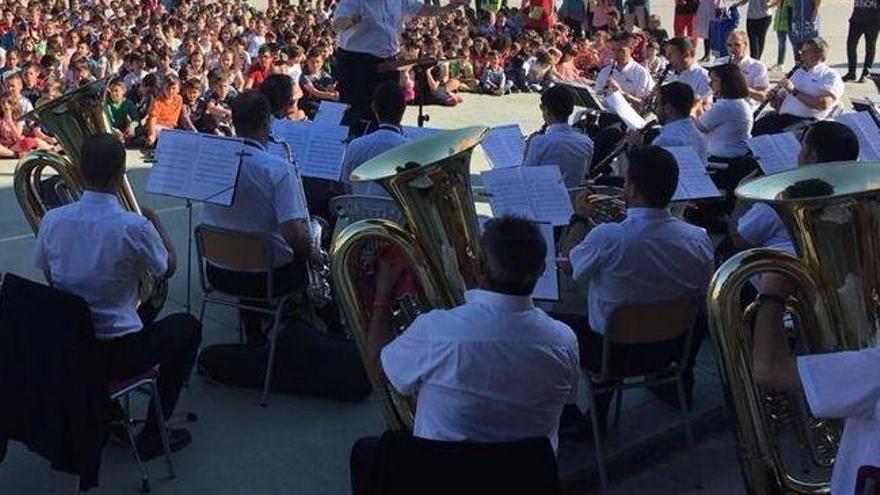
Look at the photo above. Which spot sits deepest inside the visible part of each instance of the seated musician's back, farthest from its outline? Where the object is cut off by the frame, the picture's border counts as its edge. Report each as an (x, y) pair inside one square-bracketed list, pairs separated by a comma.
[(560, 144), (98, 251)]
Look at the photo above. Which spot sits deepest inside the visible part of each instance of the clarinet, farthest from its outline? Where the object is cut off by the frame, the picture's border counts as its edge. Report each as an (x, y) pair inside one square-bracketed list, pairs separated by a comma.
[(610, 73), (651, 100), (772, 94)]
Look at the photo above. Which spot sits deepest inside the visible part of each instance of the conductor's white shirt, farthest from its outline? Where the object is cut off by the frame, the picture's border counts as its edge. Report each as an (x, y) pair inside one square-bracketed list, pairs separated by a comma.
[(683, 132), (95, 249), (381, 25), (563, 146), (816, 81), (697, 78), (364, 148), (649, 257), (494, 369), (632, 78), (268, 194), (858, 402)]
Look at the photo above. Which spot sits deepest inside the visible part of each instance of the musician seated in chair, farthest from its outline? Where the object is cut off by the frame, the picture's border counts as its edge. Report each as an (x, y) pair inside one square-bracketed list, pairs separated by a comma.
[(560, 144), (494, 369), (649, 257), (810, 93), (754, 70), (760, 225), (836, 385), (625, 75), (389, 105), (98, 251), (683, 60), (674, 105), (269, 199)]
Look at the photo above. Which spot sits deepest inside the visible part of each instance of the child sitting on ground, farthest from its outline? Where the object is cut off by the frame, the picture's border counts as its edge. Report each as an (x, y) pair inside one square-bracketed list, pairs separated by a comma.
[(122, 112)]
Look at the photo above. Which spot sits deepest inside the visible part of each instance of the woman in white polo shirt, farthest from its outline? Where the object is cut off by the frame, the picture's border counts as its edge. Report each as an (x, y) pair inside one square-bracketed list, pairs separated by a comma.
[(728, 124)]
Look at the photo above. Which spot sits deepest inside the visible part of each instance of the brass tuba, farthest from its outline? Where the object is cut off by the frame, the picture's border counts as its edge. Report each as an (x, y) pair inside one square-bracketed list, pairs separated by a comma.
[(72, 118), (430, 181), (832, 212)]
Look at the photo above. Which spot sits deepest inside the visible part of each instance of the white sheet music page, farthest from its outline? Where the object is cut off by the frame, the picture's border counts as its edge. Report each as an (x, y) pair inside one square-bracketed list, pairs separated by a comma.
[(294, 133), (507, 192), (505, 146), (547, 287), (775, 152), (330, 112), (547, 194), (615, 102), (195, 166), (866, 131), (693, 180), (323, 155)]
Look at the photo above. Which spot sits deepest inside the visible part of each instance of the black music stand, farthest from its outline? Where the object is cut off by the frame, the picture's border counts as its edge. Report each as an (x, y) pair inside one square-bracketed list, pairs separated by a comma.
[(584, 96)]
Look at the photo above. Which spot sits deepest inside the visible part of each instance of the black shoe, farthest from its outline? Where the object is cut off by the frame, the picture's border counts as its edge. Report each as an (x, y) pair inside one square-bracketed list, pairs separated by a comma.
[(849, 76), (864, 77), (149, 445)]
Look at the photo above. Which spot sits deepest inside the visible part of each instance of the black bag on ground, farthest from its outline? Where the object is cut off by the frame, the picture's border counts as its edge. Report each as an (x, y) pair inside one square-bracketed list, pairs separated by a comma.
[(306, 362)]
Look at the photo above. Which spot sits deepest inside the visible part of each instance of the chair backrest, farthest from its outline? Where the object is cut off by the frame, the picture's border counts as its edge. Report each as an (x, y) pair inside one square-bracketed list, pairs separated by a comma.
[(414, 465), (351, 208), (652, 323), (237, 251)]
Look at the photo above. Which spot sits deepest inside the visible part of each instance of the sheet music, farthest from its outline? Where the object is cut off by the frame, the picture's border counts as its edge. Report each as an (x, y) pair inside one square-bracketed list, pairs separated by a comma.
[(414, 132), (547, 287), (330, 112), (775, 152), (195, 166), (323, 155), (693, 180), (615, 102), (505, 146), (863, 125), (507, 192), (294, 133), (537, 193)]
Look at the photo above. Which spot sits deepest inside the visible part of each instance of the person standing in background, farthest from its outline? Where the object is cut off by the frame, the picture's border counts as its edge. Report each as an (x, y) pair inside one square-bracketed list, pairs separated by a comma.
[(865, 20), (804, 23), (781, 24), (685, 13), (758, 19)]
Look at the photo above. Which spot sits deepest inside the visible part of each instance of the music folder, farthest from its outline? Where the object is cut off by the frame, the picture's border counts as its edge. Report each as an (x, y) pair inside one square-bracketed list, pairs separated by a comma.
[(318, 148), (775, 152), (536, 193), (693, 180), (195, 166)]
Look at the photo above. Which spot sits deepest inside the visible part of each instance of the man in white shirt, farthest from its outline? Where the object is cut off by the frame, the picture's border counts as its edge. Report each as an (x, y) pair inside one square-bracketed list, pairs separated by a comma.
[(649, 257), (494, 369), (811, 93), (842, 385), (367, 34), (625, 75), (682, 58), (674, 105), (389, 105), (96, 250), (560, 144), (754, 71)]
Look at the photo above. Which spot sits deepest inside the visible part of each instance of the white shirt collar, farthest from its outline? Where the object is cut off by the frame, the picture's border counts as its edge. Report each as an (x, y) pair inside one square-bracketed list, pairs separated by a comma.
[(498, 300), (557, 127), (648, 213), (99, 198), (254, 143)]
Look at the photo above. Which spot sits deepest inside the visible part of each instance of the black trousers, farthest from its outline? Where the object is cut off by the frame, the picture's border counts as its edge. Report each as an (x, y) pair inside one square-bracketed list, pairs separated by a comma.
[(757, 31), (357, 75), (856, 31), (362, 463), (171, 342), (774, 123)]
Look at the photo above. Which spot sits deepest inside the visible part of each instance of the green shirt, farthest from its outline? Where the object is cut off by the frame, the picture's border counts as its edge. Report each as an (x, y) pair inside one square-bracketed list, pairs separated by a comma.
[(122, 113)]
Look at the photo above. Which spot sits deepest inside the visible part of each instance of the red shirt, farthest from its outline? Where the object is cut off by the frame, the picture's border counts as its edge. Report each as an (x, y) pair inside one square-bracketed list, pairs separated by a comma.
[(257, 74)]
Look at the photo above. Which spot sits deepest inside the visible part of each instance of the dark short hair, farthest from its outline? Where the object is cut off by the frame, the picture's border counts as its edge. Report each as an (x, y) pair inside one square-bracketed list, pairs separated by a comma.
[(103, 158), (278, 90), (513, 252), (682, 44), (653, 172), (832, 142), (250, 113), (389, 103), (678, 95), (559, 101), (733, 82)]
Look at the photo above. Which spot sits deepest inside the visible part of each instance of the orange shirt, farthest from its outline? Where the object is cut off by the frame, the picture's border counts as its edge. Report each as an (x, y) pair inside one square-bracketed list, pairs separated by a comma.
[(166, 111)]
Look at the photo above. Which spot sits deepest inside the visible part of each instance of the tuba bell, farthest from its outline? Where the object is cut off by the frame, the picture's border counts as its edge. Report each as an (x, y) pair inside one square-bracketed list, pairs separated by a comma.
[(832, 212), (430, 181), (72, 118)]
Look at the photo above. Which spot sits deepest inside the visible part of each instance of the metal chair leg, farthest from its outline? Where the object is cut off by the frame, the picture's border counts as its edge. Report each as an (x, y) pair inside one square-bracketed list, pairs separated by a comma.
[(597, 441), (129, 432), (682, 402), (276, 328), (617, 406), (163, 431)]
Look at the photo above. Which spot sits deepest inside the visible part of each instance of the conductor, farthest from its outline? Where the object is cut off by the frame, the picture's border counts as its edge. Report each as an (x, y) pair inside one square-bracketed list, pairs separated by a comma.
[(368, 33)]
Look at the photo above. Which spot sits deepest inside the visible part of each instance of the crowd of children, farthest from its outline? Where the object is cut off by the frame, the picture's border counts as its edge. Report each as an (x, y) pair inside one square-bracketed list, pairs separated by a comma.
[(180, 66)]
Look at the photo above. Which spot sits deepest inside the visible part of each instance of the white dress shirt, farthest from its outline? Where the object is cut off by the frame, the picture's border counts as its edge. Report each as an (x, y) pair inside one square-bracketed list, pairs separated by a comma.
[(697, 78), (649, 257), (728, 126), (683, 132), (761, 226), (362, 149), (858, 402), (95, 249), (381, 25), (563, 146), (818, 80), (755, 73), (632, 78), (494, 369), (268, 194)]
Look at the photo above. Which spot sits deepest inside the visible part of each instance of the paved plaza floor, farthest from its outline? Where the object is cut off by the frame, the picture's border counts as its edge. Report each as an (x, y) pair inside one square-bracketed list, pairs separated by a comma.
[(300, 445)]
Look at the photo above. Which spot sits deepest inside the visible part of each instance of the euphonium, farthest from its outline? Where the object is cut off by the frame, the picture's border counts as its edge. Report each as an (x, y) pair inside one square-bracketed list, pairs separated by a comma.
[(832, 212), (72, 118), (430, 181)]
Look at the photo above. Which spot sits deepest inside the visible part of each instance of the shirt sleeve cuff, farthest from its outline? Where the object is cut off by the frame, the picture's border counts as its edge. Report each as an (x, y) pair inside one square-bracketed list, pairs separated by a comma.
[(808, 383)]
